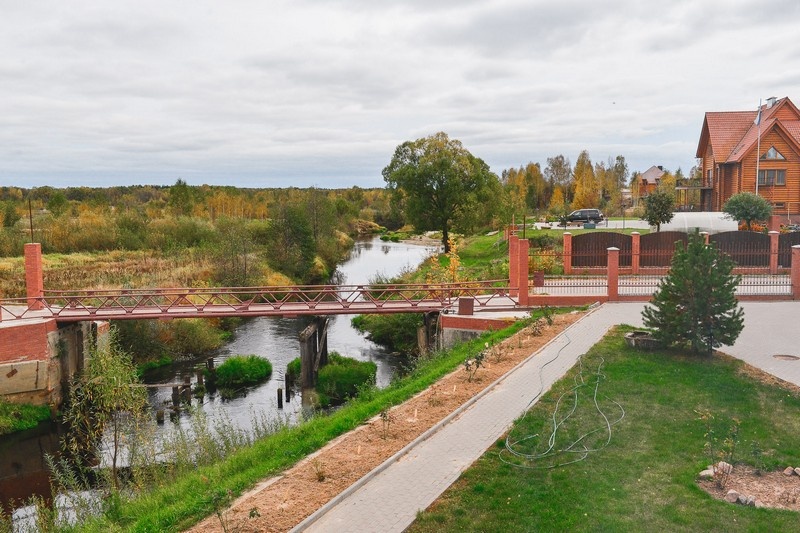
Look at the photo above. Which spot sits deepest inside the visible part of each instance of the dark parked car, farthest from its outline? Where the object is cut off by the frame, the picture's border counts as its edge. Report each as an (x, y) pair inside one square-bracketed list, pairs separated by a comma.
[(585, 215)]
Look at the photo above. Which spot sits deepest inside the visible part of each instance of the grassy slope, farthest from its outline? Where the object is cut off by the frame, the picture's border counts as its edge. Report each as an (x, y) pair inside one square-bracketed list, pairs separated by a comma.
[(18, 417), (645, 479)]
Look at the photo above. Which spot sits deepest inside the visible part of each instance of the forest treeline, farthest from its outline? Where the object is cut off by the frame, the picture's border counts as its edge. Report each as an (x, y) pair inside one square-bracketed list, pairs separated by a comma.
[(302, 233)]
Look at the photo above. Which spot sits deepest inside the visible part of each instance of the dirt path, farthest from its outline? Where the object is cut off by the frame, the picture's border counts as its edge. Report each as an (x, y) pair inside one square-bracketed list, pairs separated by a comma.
[(279, 503)]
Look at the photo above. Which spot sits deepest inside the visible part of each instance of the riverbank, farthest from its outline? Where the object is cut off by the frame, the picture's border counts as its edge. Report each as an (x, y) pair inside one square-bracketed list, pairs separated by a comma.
[(283, 501)]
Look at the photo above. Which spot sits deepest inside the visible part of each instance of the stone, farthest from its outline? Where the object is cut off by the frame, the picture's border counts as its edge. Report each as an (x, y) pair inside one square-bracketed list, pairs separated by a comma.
[(723, 467), (732, 496), (797, 471), (751, 501), (706, 474), (788, 471), (759, 504)]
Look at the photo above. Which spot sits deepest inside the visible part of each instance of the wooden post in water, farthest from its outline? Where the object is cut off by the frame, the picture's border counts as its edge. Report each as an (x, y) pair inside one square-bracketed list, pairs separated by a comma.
[(160, 416), (176, 397), (186, 389), (280, 398)]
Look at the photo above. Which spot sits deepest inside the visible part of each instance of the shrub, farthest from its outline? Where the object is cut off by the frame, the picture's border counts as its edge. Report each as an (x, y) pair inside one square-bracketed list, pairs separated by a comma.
[(396, 332), (341, 378), (190, 336), (242, 370), (294, 369)]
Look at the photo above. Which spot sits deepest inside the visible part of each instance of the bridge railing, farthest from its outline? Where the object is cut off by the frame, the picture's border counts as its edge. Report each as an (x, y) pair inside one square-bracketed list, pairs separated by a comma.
[(257, 301)]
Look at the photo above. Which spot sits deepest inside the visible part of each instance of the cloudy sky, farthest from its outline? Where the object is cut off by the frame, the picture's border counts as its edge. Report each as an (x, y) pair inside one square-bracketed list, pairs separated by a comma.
[(310, 92)]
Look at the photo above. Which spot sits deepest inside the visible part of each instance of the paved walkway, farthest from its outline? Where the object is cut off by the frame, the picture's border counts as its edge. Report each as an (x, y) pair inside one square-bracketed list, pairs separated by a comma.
[(388, 498)]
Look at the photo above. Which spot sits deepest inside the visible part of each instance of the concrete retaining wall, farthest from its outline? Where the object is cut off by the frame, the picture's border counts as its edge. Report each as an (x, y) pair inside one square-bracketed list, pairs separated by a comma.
[(38, 358)]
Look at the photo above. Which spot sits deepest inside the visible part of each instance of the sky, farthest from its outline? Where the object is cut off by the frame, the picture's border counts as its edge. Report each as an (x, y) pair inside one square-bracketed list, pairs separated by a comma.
[(319, 93)]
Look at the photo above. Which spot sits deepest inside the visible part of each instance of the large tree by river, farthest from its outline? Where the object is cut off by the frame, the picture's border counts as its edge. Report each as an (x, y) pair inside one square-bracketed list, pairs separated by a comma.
[(441, 186)]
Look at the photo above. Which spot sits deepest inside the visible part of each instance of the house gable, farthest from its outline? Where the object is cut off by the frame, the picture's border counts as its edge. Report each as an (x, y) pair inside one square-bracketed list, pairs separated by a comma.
[(728, 145)]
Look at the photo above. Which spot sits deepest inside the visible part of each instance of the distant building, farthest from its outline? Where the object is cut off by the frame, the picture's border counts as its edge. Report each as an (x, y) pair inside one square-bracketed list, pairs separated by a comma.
[(650, 179), (736, 147), (647, 182)]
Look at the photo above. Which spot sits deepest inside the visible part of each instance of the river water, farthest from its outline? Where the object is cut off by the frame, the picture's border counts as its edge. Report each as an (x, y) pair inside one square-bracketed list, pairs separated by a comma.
[(23, 471), (277, 340)]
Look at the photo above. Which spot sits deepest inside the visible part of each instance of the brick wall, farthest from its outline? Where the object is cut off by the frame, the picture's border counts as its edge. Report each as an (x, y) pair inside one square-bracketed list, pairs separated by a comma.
[(25, 342)]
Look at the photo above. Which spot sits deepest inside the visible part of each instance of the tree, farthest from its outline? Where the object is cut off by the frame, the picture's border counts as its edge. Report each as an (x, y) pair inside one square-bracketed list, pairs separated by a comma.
[(558, 174), (695, 305), (748, 207), (181, 199), (587, 192), (290, 241), (436, 181), (10, 215), (103, 397), (658, 208), (57, 203)]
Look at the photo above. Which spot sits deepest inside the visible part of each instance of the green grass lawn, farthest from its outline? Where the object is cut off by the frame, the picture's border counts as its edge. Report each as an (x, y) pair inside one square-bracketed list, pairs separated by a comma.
[(644, 478)]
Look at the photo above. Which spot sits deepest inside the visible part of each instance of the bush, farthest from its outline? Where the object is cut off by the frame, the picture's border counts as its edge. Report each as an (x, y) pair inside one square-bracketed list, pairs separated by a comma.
[(341, 378), (190, 336), (395, 332), (242, 370), (294, 369)]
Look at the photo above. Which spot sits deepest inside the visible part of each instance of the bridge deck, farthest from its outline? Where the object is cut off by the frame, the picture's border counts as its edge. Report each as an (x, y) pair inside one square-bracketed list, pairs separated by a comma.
[(131, 304)]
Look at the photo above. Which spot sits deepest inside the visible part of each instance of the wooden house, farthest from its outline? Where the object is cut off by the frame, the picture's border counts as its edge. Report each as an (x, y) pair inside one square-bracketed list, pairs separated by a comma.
[(752, 151)]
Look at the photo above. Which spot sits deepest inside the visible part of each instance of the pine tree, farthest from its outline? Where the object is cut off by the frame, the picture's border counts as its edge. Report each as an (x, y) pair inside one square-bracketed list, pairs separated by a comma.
[(695, 305)]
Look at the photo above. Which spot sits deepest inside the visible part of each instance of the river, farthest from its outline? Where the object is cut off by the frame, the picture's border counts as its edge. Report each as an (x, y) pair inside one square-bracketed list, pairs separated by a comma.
[(277, 340), (22, 467)]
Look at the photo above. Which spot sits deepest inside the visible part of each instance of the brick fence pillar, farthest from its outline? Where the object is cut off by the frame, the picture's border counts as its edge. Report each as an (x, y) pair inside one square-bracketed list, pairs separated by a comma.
[(773, 251), (613, 274), (796, 272), (522, 272), (513, 264), (774, 223), (636, 248), (567, 253), (34, 279)]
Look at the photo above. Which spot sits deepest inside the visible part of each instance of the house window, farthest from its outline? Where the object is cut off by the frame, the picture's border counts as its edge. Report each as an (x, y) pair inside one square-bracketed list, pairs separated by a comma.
[(771, 177), (772, 153)]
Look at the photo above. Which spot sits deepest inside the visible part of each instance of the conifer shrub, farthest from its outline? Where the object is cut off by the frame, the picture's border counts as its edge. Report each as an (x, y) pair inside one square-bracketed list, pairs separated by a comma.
[(695, 305)]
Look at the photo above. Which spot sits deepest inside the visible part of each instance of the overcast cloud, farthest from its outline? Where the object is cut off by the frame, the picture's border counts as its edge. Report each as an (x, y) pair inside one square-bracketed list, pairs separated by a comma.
[(301, 93)]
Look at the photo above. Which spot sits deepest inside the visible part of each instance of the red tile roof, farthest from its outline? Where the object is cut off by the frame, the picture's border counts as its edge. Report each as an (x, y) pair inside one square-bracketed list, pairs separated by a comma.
[(732, 134)]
